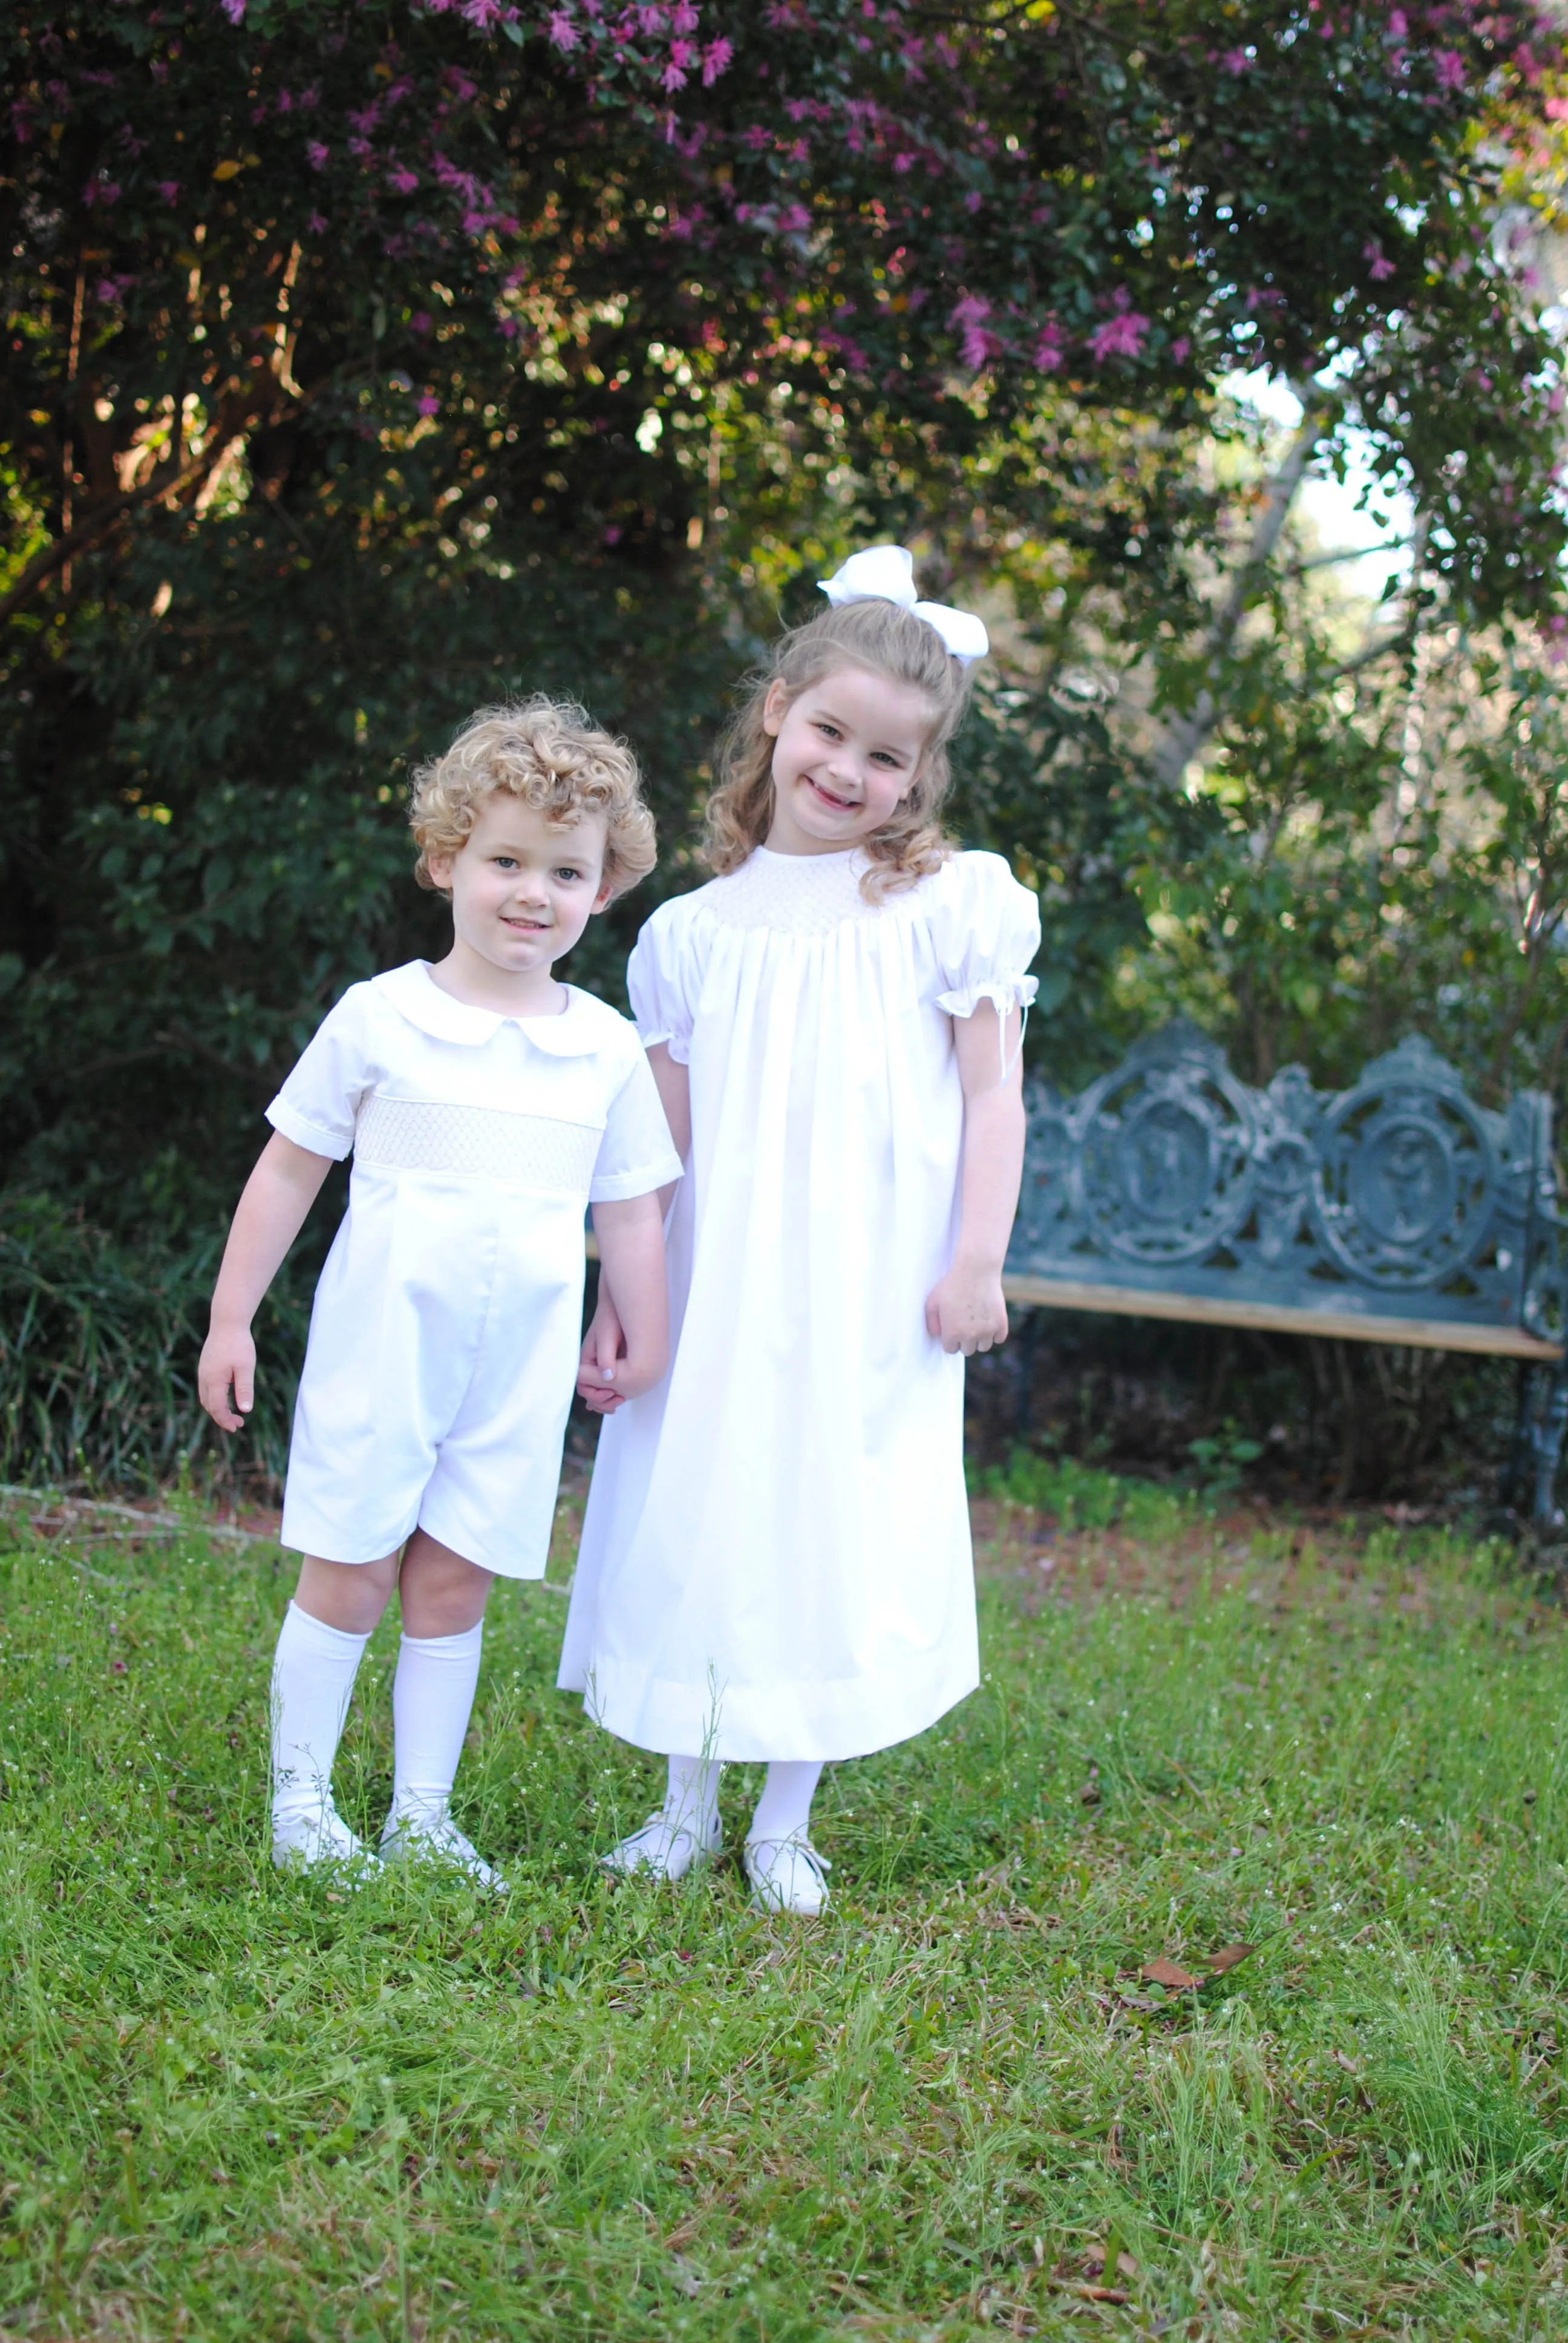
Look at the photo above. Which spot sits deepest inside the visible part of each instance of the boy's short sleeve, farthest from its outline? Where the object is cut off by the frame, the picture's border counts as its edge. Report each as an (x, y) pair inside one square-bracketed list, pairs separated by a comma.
[(318, 1103), (637, 1154)]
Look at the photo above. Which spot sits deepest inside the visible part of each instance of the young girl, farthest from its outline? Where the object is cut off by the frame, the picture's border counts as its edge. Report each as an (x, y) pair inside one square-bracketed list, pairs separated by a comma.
[(776, 1559), (485, 1105)]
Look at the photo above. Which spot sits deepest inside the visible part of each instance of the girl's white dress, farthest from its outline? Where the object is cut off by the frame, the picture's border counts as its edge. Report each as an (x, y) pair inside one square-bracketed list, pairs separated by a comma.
[(776, 1559), (445, 1333)]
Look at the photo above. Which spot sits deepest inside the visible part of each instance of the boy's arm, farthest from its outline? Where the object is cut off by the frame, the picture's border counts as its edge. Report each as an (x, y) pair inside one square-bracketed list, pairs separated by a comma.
[(628, 1347), (270, 1215), (604, 1345), (966, 1311)]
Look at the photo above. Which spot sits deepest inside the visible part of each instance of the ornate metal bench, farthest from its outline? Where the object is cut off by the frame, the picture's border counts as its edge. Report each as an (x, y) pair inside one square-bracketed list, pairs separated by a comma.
[(1396, 1212)]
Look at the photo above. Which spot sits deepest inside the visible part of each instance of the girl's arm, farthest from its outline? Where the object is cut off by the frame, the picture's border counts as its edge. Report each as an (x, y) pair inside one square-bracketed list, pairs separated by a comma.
[(600, 1385), (278, 1194), (966, 1311), (628, 1347)]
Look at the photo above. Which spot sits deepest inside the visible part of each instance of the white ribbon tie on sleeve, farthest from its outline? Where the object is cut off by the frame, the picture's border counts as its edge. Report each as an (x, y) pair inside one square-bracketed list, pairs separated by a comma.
[(886, 573)]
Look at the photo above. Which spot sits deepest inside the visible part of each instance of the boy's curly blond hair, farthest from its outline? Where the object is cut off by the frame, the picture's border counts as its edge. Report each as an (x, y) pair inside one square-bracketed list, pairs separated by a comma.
[(550, 755)]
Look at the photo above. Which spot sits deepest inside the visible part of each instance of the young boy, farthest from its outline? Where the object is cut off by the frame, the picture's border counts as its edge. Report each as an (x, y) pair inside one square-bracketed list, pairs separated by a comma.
[(485, 1105)]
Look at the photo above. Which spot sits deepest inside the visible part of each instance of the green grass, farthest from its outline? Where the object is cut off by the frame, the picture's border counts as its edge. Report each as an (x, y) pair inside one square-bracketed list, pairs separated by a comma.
[(237, 2107)]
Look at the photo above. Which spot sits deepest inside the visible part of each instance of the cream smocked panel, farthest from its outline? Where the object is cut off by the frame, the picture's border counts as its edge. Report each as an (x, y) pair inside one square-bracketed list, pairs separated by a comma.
[(536, 1151)]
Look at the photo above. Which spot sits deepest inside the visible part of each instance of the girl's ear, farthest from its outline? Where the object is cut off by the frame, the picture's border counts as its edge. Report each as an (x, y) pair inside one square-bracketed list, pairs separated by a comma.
[(775, 708)]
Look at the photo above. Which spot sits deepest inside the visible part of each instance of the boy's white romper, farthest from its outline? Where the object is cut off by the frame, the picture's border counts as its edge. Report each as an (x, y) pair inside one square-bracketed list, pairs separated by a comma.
[(776, 1558), (445, 1335)]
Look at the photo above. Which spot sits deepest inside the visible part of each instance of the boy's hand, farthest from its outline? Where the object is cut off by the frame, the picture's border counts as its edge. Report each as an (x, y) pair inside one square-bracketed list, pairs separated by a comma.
[(966, 1311), (601, 1369), (225, 1378)]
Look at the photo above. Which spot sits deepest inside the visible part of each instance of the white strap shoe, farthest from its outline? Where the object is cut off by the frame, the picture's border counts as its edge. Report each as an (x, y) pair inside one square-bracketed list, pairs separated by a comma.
[(665, 1848), (314, 1837), (419, 1837), (787, 1874)]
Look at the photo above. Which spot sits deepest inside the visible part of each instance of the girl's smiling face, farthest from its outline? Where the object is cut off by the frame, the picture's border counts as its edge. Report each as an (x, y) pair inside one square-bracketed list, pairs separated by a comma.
[(846, 750), (523, 890)]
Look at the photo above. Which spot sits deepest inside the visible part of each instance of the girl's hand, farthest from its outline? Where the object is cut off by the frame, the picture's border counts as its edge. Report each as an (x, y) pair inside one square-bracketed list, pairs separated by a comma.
[(602, 1375), (225, 1378), (966, 1311)]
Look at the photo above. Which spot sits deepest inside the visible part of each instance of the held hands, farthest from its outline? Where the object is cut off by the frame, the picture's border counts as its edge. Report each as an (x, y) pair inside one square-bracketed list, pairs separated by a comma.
[(225, 1379), (966, 1311), (607, 1376)]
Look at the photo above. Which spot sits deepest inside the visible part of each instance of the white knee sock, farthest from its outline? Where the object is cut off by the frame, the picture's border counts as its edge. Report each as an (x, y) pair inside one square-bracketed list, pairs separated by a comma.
[(432, 1701), (313, 1676), (784, 1809), (691, 1801)]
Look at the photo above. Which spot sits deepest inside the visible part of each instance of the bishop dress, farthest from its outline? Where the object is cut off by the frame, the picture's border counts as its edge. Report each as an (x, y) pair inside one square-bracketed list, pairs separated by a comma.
[(776, 1558)]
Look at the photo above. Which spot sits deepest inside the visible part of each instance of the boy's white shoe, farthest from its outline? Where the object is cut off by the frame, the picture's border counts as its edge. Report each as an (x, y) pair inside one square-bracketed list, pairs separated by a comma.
[(436, 1838), (666, 1848), (787, 1874), (317, 1838)]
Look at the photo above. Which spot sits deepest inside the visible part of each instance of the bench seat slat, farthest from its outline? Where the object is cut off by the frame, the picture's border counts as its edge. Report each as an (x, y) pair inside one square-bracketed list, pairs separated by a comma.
[(1352, 1325)]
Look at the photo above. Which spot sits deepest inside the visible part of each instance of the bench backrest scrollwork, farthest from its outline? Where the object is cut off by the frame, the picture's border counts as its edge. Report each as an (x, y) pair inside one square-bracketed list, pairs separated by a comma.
[(1399, 1198)]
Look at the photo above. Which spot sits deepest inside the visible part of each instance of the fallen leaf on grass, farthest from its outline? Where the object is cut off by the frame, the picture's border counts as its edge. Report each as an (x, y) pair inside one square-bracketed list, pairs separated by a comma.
[(1181, 1980), (1089, 1794), (1166, 1972), (1348, 2064)]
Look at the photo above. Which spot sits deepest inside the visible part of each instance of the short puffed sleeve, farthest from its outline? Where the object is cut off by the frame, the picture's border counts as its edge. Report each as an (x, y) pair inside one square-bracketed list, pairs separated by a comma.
[(985, 927), (637, 1154), (662, 980), (318, 1104)]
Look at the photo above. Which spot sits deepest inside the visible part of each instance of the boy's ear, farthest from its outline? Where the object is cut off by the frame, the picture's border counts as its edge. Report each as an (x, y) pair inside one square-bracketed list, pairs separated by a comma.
[(438, 868), (606, 890)]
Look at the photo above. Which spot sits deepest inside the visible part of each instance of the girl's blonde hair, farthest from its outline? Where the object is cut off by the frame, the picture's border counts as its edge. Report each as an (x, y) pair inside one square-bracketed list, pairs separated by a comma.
[(550, 755), (885, 640)]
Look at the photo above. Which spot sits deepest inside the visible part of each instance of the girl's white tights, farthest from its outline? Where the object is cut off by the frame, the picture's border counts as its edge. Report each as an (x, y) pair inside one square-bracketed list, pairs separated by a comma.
[(783, 1811)]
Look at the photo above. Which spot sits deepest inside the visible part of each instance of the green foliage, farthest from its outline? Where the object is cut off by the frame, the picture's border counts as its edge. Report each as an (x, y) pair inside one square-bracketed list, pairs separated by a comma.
[(98, 1346), (645, 2114)]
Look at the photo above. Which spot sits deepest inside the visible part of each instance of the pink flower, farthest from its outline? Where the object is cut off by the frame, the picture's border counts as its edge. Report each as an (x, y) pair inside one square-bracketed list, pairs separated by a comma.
[(682, 54), (1047, 349), (420, 321), (968, 315), (316, 223), (430, 406), (673, 78), (902, 163), (684, 18), (1398, 25), (1120, 337), (651, 19), (793, 218), (1450, 69), (316, 155), (169, 189), (234, 10), (1236, 61), (1381, 266), (562, 31), (715, 57), (482, 12), (1181, 349), (404, 179)]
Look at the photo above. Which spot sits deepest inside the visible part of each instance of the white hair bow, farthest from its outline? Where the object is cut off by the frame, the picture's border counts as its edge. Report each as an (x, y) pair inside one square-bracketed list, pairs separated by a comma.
[(886, 573)]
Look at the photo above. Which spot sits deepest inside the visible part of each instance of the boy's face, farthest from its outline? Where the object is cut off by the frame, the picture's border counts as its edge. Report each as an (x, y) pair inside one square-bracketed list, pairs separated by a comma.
[(524, 889)]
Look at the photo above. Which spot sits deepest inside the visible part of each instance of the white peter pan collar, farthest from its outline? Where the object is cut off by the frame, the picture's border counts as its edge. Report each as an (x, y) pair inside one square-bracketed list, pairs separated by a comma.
[(581, 1027)]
